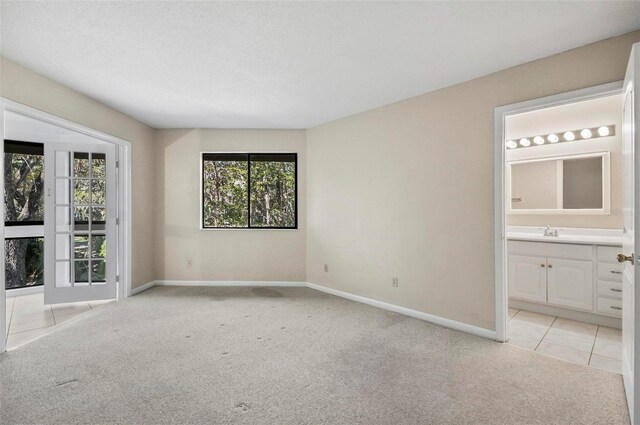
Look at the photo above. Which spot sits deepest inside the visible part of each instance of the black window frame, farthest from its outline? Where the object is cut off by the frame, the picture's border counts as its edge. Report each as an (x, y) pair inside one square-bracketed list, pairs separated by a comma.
[(246, 156), (30, 148)]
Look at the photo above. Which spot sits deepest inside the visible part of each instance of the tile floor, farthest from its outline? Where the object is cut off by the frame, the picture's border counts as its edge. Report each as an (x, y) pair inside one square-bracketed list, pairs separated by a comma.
[(29, 318), (577, 342)]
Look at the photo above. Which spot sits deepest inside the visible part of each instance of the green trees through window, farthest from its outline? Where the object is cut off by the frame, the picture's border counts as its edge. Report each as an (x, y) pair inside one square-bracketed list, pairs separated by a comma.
[(224, 195), (273, 192), (24, 183), (23, 205), (249, 191)]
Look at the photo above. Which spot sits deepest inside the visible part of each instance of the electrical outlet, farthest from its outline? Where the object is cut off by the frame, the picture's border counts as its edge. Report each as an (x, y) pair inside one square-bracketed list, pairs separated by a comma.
[(189, 263), (326, 268), (394, 282)]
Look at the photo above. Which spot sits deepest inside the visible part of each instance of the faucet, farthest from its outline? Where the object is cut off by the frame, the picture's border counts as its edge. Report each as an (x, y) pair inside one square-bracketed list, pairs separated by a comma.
[(548, 231)]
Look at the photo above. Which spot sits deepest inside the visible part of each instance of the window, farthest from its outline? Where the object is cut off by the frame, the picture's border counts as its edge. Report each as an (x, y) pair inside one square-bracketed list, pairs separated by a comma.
[(24, 262), (24, 183), (249, 191), (24, 214)]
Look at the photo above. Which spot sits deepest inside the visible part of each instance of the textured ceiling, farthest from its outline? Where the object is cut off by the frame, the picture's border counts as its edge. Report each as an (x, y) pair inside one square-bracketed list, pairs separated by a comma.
[(286, 65)]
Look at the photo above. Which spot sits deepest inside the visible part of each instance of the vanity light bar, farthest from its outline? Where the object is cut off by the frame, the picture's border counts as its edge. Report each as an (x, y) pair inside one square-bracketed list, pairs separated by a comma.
[(563, 136)]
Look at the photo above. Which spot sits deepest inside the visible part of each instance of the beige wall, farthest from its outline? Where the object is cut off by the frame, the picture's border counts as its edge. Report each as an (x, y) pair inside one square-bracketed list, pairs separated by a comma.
[(406, 190), (228, 255), (24, 86), (593, 113), (403, 190)]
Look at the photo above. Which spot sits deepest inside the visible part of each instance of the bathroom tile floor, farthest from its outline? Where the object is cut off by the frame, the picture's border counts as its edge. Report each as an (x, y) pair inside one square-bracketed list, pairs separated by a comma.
[(570, 340), (29, 318)]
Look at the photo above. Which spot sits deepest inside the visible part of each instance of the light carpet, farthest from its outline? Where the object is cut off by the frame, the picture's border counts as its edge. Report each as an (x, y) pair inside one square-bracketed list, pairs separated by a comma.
[(196, 355)]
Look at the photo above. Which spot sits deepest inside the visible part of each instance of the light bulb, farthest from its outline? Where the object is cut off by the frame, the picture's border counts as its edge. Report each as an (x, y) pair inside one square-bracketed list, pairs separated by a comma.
[(525, 142), (603, 131), (586, 133), (538, 140), (569, 136), (553, 138), (511, 144)]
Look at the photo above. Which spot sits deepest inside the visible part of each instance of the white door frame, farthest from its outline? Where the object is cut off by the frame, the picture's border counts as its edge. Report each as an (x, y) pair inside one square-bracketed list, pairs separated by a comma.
[(124, 197), (499, 208)]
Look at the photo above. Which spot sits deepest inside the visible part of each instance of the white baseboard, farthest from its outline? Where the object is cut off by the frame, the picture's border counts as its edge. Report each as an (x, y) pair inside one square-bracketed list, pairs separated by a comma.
[(142, 288), (229, 283), (447, 323), (441, 321)]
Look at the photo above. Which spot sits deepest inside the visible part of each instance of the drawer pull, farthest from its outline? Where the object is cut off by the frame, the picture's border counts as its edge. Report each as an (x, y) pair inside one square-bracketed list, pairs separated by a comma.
[(615, 290), (616, 308), (615, 272)]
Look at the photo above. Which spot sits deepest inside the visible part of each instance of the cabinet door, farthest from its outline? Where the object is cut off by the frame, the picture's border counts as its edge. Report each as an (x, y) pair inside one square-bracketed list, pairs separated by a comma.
[(528, 278), (570, 283)]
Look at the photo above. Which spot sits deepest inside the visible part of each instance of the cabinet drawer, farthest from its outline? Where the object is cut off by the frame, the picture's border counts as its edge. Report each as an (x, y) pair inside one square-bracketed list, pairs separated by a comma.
[(545, 249), (607, 254), (609, 289), (610, 307), (610, 271)]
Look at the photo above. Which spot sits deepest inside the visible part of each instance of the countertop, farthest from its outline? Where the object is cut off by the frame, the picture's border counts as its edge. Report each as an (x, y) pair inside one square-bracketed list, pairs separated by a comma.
[(569, 235)]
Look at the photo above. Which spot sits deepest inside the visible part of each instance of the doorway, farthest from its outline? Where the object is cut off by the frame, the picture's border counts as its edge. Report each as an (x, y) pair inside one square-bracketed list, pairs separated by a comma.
[(66, 225), (560, 295)]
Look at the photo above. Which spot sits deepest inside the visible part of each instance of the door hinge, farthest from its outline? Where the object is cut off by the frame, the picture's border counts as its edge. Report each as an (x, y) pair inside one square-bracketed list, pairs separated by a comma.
[(117, 164), (117, 278), (117, 221)]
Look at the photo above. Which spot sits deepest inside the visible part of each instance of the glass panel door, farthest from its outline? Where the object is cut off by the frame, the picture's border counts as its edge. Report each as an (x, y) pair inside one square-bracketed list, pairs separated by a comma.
[(80, 222)]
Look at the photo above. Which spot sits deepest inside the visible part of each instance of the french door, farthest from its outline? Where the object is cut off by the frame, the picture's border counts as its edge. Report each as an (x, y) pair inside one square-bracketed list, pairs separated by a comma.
[(80, 222)]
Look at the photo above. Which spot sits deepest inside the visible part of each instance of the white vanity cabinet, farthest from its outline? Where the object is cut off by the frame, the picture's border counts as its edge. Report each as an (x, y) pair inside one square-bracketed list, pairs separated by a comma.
[(571, 276), (609, 282), (528, 278), (570, 283)]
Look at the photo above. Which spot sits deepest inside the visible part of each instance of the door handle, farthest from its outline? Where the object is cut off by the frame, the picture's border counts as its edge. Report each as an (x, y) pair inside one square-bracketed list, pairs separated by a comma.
[(622, 258)]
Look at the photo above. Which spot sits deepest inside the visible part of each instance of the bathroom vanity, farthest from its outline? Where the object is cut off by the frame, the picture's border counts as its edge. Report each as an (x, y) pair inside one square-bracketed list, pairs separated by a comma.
[(574, 274)]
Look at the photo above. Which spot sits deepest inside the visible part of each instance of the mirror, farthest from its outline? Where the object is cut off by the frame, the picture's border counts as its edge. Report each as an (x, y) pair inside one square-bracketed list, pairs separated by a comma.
[(563, 185)]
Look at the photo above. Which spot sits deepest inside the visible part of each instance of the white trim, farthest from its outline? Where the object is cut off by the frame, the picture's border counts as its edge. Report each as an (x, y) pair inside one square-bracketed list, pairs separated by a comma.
[(143, 288), (24, 232), (3, 292), (499, 115), (560, 186), (441, 321), (125, 220), (18, 292), (499, 230), (230, 283)]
